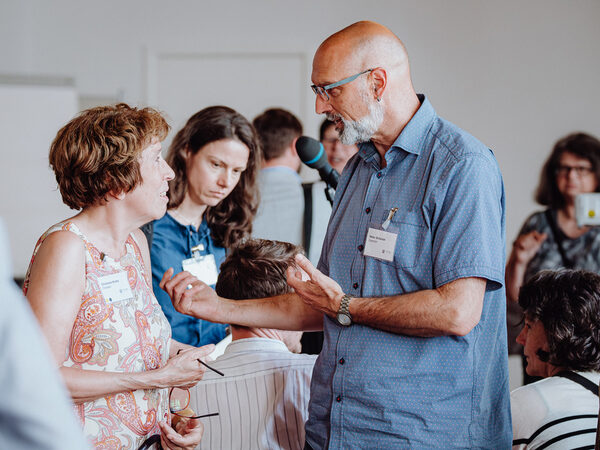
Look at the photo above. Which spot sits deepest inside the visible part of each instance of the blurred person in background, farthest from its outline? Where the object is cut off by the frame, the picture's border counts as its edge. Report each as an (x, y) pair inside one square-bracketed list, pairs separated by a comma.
[(35, 411), (281, 210), (338, 154)]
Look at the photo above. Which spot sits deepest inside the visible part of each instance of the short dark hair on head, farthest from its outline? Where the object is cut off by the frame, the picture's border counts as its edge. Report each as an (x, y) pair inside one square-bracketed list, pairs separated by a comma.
[(256, 269), (567, 303), (581, 145), (230, 220), (276, 128), (98, 152), (324, 126)]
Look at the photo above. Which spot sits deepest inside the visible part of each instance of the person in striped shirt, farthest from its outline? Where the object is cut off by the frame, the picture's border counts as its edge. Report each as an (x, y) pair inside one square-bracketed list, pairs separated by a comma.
[(262, 399)]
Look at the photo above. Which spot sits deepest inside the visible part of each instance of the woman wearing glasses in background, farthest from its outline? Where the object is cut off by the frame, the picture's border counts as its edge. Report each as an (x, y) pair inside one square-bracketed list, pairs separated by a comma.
[(89, 282), (212, 203), (551, 239)]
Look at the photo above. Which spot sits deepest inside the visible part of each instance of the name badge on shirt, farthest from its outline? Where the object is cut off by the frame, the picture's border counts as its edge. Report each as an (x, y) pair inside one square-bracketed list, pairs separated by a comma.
[(202, 267), (380, 244), (115, 287)]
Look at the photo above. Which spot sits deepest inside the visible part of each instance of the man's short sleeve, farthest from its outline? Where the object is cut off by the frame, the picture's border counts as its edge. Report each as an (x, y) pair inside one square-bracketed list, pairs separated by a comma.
[(468, 233)]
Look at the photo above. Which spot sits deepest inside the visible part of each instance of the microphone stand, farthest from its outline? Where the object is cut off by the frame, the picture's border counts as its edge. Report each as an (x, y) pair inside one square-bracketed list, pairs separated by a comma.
[(329, 193)]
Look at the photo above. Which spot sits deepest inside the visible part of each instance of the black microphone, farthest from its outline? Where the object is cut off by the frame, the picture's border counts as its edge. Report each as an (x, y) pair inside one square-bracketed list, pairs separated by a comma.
[(312, 153)]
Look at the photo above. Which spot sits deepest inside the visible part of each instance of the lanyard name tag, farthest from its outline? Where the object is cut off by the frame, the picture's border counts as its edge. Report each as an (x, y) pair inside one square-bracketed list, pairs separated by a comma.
[(380, 244), (115, 287), (202, 267)]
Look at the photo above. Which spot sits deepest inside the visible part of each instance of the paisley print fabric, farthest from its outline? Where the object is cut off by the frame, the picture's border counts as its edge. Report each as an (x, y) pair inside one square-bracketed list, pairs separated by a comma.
[(129, 335)]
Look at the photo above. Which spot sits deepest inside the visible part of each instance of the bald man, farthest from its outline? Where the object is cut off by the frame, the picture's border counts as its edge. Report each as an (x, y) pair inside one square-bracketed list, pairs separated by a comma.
[(409, 289)]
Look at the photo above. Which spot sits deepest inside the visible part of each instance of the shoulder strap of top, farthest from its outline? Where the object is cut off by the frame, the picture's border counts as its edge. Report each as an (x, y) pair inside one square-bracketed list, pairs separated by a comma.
[(138, 254), (308, 213), (579, 379), (558, 237)]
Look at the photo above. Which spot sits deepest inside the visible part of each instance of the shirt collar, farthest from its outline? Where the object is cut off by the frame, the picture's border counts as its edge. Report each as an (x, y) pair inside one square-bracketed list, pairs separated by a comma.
[(203, 229), (412, 136), (252, 345)]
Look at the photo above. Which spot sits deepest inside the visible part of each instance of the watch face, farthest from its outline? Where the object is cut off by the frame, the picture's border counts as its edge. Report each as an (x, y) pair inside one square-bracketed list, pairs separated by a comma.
[(343, 319)]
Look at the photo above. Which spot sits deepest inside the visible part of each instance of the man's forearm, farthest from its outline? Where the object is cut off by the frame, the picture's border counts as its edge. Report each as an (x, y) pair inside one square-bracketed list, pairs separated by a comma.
[(453, 309)]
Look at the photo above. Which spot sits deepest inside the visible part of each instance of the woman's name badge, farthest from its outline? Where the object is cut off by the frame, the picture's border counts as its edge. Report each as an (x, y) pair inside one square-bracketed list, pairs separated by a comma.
[(380, 244), (115, 287), (202, 267)]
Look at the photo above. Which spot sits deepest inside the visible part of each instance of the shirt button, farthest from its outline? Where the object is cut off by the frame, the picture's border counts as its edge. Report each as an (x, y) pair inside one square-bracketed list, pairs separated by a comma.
[(338, 398), (360, 248), (368, 210), (355, 285), (342, 361), (378, 174)]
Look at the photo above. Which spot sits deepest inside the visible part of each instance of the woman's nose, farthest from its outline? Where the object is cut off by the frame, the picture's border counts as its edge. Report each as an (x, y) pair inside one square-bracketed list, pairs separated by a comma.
[(225, 178), (521, 337)]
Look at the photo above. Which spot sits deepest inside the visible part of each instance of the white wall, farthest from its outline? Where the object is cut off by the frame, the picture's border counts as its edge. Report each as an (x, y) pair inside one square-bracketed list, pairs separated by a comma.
[(30, 200), (517, 75)]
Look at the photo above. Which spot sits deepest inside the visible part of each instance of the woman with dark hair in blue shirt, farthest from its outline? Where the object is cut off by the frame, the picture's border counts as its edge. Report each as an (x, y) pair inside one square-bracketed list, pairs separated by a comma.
[(212, 202)]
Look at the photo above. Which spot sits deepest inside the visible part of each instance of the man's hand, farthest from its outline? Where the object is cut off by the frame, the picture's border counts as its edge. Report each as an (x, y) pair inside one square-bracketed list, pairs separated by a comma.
[(319, 291), (190, 295)]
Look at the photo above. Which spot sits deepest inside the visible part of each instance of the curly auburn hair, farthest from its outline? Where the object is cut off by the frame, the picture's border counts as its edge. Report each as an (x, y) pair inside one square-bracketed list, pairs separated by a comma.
[(98, 152), (256, 269), (567, 303), (231, 220), (579, 144)]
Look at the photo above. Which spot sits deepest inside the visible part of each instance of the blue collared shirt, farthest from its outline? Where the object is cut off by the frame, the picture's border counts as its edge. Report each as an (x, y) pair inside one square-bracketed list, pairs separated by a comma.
[(171, 244), (375, 389)]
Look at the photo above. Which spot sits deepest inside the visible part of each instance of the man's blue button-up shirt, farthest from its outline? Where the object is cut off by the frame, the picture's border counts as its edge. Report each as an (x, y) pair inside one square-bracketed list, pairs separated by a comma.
[(375, 389)]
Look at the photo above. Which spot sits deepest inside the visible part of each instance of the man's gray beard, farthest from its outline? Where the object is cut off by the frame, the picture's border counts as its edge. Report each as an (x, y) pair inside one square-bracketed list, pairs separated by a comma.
[(363, 129)]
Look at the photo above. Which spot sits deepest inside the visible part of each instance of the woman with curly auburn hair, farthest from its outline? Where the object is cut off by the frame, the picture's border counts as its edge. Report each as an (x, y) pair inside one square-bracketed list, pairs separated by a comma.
[(561, 340), (212, 202), (90, 288)]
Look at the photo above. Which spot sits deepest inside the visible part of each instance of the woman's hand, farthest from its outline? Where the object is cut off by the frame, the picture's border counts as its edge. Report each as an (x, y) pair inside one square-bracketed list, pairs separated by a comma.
[(186, 435), (524, 249), (527, 245), (184, 370)]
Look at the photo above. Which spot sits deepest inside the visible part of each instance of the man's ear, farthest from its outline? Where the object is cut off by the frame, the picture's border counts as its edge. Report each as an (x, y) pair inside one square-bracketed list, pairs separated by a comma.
[(293, 147), (379, 82)]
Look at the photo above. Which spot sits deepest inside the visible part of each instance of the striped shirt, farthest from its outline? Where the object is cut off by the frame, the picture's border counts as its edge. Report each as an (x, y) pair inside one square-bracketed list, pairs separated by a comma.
[(555, 413), (262, 400)]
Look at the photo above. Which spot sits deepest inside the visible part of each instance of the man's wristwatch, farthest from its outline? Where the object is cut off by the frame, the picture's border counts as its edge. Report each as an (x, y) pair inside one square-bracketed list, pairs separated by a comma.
[(343, 316)]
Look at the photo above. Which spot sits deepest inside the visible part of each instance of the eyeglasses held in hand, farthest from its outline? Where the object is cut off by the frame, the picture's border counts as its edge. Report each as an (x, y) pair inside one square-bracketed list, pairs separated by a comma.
[(179, 402)]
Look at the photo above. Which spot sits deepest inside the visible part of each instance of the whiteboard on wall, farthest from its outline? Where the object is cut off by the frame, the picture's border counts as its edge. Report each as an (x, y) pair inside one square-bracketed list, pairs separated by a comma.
[(30, 116)]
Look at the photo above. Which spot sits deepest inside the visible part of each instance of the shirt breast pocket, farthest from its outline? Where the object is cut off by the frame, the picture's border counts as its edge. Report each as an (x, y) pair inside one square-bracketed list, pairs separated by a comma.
[(412, 247)]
